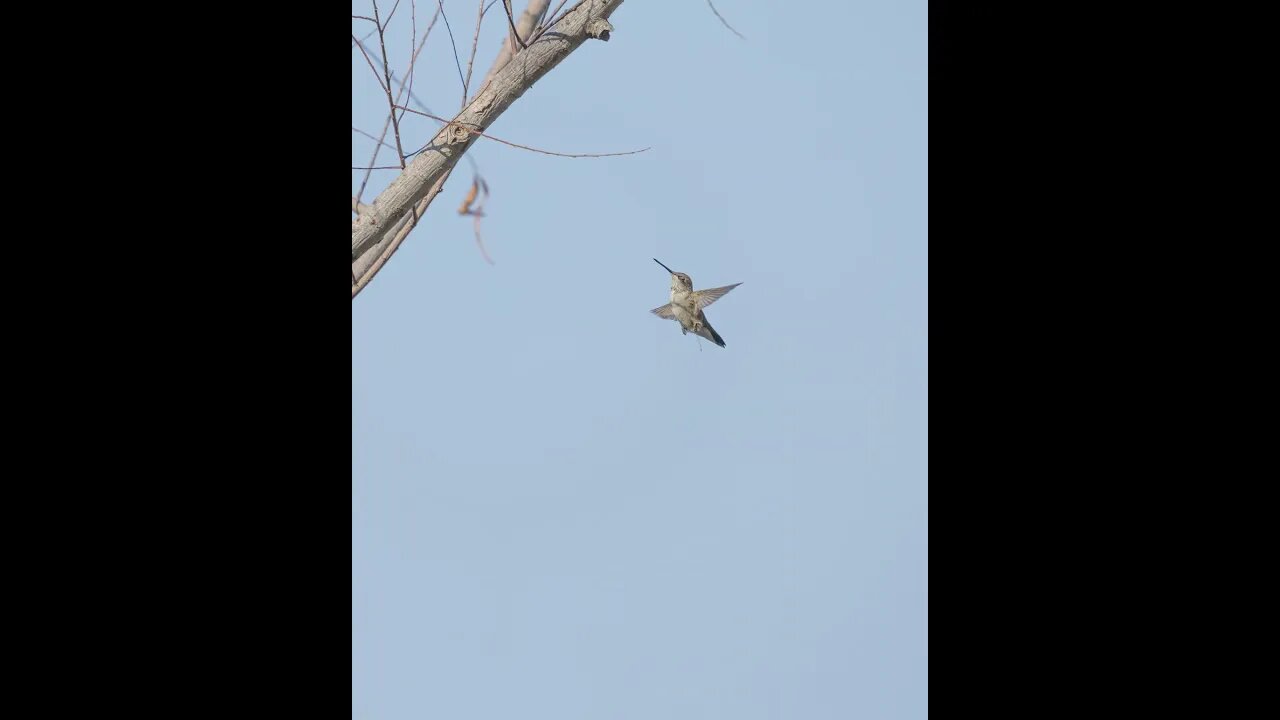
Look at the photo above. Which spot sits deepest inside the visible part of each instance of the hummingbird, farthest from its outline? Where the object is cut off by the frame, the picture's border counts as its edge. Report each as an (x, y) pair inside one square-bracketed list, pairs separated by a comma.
[(687, 304)]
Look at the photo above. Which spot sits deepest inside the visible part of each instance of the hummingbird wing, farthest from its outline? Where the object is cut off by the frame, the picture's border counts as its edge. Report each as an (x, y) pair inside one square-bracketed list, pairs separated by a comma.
[(664, 312), (706, 297)]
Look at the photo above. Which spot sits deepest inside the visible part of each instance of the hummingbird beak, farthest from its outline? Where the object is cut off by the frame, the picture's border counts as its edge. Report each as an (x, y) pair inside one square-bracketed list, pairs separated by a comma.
[(664, 267)]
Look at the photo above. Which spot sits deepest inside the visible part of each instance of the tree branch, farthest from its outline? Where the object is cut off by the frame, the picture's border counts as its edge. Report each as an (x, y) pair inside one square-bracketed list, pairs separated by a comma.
[(543, 24), (437, 118), (386, 71), (723, 21), (475, 42), (454, 45), (511, 23), (587, 19), (412, 61), (523, 28), (364, 269)]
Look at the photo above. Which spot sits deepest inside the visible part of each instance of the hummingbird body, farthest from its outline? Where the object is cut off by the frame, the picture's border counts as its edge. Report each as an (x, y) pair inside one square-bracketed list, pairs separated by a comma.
[(686, 306)]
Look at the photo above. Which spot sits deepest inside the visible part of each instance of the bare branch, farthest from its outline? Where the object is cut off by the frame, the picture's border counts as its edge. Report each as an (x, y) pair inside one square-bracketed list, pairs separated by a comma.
[(400, 92), (366, 59), (377, 140), (392, 14), (386, 70), (523, 28), (506, 5), (475, 41), (376, 149), (723, 21), (409, 87), (456, 61), (358, 207), (365, 269), (413, 61), (413, 43), (362, 17), (556, 19), (542, 15), (518, 145), (453, 140), (366, 37), (545, 26)]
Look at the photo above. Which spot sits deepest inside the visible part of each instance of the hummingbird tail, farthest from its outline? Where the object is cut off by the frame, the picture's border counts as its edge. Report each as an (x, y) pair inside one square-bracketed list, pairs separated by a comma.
[(710, 333)]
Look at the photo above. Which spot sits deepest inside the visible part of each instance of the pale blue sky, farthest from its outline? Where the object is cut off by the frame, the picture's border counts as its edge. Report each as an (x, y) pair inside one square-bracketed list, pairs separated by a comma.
[(563, 508)]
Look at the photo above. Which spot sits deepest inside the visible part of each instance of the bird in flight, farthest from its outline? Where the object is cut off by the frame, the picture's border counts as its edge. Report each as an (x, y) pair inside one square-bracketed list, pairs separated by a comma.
[(687, 305)]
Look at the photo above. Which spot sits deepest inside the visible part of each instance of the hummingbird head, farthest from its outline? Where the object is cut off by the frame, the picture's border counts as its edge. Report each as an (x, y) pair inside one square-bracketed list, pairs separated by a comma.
[(679, 281)]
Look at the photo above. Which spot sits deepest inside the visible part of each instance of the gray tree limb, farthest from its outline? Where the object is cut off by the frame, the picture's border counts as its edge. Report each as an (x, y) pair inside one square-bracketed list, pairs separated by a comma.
[(584, 21), (363, 270)]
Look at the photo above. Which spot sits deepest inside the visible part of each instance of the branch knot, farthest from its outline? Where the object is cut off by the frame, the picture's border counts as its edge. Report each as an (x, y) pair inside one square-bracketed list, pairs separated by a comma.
[(457, 134), (599, 29)]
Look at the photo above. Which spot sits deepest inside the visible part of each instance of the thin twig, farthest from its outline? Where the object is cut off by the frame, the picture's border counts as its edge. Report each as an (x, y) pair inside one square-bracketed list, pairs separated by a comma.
[(366, 59), (526, 21), (456, 61), (517, 145), (415, 99), (376, 149), (392, 14), (356, 129), (362, 17), (506, 4), (553, 14), (466, 84), (401, 86), (413, 61), (558, 18), (386, 125), (549, 25), (413, 44), (386, 70), (537, 23), (723, 21)]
